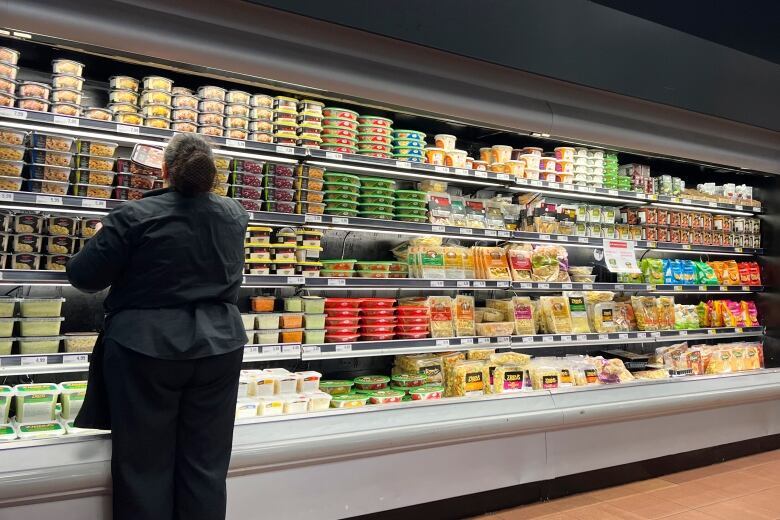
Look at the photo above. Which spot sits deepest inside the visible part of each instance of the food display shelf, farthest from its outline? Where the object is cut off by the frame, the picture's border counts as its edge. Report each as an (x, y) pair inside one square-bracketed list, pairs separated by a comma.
[(690, 248), (626, 197), (271, 281), (281, 351), (399, 346), (634, 287), (403, 283)]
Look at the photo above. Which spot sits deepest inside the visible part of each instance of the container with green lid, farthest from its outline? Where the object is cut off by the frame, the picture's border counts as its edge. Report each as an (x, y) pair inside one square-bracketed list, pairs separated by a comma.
[(336, 195), (385, 396), (384, 208), (336, 386), (375, 182), (377, 382), (411, 195), (411, 203), (336, 273), (408, 380), (331, 204), (409, 143), (342, 177), (426, 392), (341, 212), (377, 199), (382, 192), (342, 186), (348, 401), (408, 158), (403, 389), (403, 217), (410, 211), (380, 215)]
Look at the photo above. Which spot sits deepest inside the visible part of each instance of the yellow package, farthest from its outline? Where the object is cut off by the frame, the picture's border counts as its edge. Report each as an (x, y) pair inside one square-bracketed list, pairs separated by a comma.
[(718, 361), (495, 264), (523, 314), (478, 354), (579, 312), (555, 310), (604, 317), (504, 306), (544, 377), (424, 364), (441, 316), (508, 379), (752, 357), (510, 358), (665, 306), (645, 312), (453, 263), (469, 378), (463, 315), (467, 254)]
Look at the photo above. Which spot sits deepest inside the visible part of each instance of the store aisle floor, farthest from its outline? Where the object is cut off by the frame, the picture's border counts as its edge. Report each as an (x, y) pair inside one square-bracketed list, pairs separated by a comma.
[(743, 489)]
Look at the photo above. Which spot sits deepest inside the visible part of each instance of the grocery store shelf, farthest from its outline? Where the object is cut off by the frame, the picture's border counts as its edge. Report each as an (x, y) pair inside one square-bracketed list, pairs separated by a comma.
[(403, 284), (43, 364), (399, 346), (281, 351), (25, 277), (271, 281), (698, 249), (633, 287)]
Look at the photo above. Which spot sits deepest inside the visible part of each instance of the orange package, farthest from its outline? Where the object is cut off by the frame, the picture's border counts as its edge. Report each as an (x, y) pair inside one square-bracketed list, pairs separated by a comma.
[(730, 273)]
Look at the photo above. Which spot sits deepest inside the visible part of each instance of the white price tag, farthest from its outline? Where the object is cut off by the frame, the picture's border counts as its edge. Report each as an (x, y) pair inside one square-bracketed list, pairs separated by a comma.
[(441, 169), (723, 288), (641, 335), (128, 129), (460, 171), (336, 282), (582, 337), (311, 349), (544, 286), (503, 284), (438, 229), (738, 330), (272, 350), (619, 287), (343, 221), (548, 339), (65, 120), (683, 333), (745, 287), (466, 341), (10, 112), (587, 287), (655, 334), (603, 337), (483, 340), (479, 283), (504, 234), (562, 238), (526, 285), (480, 173), (713, 204), (739, 207), (528, 339), (437, 283), (566, 286), (93, 203), (544, 237), (35, 360), (6, 196), (250, 351), (565, 338), (403, 164), (756, 210), (503, 339), (333, 155), (235, 143), (442, 343), (641, 196), (712, 332), (289, 150), (466, 231), (687, 201), (613, 192), (75, 358), (623, 336), (703, 288), (312, 218), (536, 183), (678, 288), (48, 199), (687, 247), (582, 240), (737, 249), (463, 283), (344, 347), (503, 177), (295, 280), (291, 349), (490, 232)]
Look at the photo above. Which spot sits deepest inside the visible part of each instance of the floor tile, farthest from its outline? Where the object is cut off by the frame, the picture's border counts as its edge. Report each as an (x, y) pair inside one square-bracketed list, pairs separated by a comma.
[(648, 506), (693, 474), (634, 488), (768, 470), (735, 509), (741, 482), (689, 515), (694, 494), (605, 511)]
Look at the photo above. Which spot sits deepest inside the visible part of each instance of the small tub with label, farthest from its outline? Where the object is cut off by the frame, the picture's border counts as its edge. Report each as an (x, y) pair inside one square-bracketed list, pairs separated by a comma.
[(308, 381), (270, 406), (35, 402)]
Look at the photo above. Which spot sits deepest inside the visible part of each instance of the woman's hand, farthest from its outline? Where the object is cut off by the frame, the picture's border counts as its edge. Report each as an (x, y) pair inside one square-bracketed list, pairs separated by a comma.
[(98, 226)]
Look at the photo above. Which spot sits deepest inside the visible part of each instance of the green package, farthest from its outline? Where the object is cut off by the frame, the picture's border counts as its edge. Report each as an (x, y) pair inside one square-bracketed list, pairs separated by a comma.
[(652, 270), (705, 275)]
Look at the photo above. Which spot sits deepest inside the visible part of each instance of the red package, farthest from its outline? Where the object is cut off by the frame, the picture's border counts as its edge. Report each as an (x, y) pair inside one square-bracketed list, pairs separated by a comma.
[(755, 273), (744, 272)]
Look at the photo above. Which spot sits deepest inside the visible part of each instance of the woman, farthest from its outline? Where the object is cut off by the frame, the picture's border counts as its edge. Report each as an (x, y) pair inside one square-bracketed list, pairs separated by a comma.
[(173, 338)]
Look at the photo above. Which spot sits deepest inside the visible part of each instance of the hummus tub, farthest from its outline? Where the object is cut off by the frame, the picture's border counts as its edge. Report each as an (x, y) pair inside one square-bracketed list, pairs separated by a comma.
[(72, 397), (35, 402), (39, 327), (6, 396), (374, 382), (40, 307), (408, 158), (348, 401)]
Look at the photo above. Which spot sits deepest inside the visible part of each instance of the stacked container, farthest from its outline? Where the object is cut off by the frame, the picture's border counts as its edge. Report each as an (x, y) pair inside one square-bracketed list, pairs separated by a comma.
[(280, 192), (343, 268), (313, 309), (410, 206), (275, 391), (408, 145), (50, 160), (309, 192), (39, 325), (36, 410), (257, 248), (307, 254), (342, 192), (603, 167), (224, 176), (184, 110), (67, 84), (413, 322), (261, 125), (9, 58), (285, 120), (581, 166), (237, 109), (211, 111), (94, 176), (123, 100), (342, 321), (339, 130), (309, 123), (247, 183), (273, 327), (375, 136), (376, 198), (377, 319)]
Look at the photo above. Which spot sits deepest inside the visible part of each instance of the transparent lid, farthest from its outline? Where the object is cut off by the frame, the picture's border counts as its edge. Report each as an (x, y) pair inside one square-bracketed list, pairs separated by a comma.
[(40, 319)]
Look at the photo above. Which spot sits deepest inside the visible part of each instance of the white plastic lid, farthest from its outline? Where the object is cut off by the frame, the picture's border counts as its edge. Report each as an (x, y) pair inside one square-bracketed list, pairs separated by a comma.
[(73, 387), (277, 371), (41, 429), (41, 299), (36, 388), (41, 319), (308, 373)]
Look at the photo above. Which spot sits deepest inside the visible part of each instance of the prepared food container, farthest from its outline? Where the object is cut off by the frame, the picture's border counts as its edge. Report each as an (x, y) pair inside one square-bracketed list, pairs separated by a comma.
[(33, 89), (39, 345), (247, 192), (285, 384), (159, 110), (335, 387), (8, 87), (386, 396), (11, 152), (29, 103), (414, 158), (266, 337), (128, 118), (314, 321), (123, 82), (158, 122), (8, 71), (8, 55), (157, 83), (144, 182), (7, 327), (12, 136), (185, 103), (52, 157), (348, 401), (313, 336), (60, 245), (40, 327), (28, 223), (373, 382), (319, 401), (296, 404), (72, 398), (251, 205), (11, 170), (63, 66), (35, 402), (426, 393), (92, 190), (80, 341), (161, 97), (94, 162), (66, 109), (61, 226), (125, 193), (212, 92), (27, 243), (6, 99), (308, 381), (7, 306), (27, 261), (246, 408), (123, 96), (55, 262), (6, 396), (262, 303), (261, 100)]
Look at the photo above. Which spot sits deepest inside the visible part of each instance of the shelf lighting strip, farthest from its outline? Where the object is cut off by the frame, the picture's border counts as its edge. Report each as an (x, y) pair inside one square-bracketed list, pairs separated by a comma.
[(705, 209)]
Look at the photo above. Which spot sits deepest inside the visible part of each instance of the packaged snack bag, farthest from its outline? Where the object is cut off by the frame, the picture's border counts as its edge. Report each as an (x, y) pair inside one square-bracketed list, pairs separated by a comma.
[(652, 270)]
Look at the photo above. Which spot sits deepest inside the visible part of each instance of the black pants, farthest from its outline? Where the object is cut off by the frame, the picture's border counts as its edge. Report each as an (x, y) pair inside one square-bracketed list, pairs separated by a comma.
[(172, 433)]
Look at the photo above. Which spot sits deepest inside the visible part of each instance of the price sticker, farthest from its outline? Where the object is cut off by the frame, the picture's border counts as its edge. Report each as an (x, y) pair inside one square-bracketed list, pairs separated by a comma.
[(583, 240), (491, 233), (544, 237), (342, 221), (48, 199), (337, 282), (587, 287), (641, 335), (703, 288), (291, 349), (438, 229), (544, 286), (566, 286), (738, 330), (481, 174), (619, 287), (93, 203), (313, 218), (442, 343), (463, 283), (675, 199), (678, 288), (655, 334), (128, 129), (235, 143), (555, 185), (504, 234), (536, 183), (466, 231), (250, 351), (64, 120), (483, 340), (403, 164), (623, 336), (683, 333), (652, 244), (562, 238), (641, 196), (746, 288), (467, 341), (737, 249), (582, 337), (311, 349), (687, 201), (503, 339), (739, 207), (344, 347), (6, 196), (526, 285), (687, 247), (334, 156), (272, 350), (613, 192), (289, 150), (503, 177), (35, 360), (502, 284), (548, 339), (460, 171), (15, 114), (565, 338), (723, 288), (756, 210), (75, 358), (441, 169), (713, 204), (528, 339), (603, 337), (437, 283), (295, 280), (712, 332)]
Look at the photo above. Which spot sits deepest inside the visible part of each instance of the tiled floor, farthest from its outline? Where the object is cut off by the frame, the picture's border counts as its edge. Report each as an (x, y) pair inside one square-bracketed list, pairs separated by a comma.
[(741, 489)]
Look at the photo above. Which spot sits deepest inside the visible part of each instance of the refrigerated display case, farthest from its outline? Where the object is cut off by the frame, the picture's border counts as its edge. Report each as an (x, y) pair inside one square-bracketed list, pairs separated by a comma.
[(490, 440)]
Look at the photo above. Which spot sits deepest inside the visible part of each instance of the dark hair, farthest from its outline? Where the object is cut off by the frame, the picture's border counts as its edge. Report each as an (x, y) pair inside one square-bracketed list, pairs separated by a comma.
[(190, 163)]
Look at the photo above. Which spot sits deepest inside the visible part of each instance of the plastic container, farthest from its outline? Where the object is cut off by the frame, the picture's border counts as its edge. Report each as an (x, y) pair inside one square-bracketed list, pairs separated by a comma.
[(263, 303), (340, 338), (7, 306), (348, 401), (308, 381), (335, 387), (314, 321), (6, 396), (314, 336), (80, 341), (291, 335), (246, 408), (426, 393), (40, 327), (370, 330), (267, 320), (319, 401), (296, 404), (7, 327), (40, 307), (377, 382), (291, 320), (72, 397), (377, 312), (266, 337), (386, 396), (285, 384), (9, 170), (35, 402)]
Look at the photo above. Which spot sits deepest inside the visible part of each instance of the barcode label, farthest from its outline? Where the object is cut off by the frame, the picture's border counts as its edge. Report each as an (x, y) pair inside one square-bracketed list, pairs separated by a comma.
[(336, 281), (641, 335), (526, 285), (587, 287), (678, 288), (738, 330), (566, 286), (343, 221), (48, 199), (235, 143), (713, 204), (503, 339), (712, 332), (313, 218), (346, 347), (739, 207), (65, 120), (93, 203), (687, 201), (333, 155), (442, 343), (460, 171), (285, 149), (464, 283), (75, 358), (403, 164), (10, 112), (613, 192), (502, 284), (683, 333), (35, 360), (467, 341), (437, 283), (128, 129), (272, 350), (686, 246), (619, 287), (441, 169)]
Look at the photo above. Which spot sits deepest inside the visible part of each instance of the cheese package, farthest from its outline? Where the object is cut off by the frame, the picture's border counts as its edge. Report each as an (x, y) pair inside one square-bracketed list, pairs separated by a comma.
[(468, 378), (604, 317), (491, 263), (665, 313), (441, 316), (523, 312), (463, 315), (519, 257), (508, 378), (505, 307), (544, 377), (578, 311), (453, 263), (555, 310), (428, 365), (646, 312)]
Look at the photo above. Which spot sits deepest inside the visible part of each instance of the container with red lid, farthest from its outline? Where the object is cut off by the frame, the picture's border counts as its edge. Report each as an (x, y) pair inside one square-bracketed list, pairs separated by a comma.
[(346, 321), (413, 320), (340, 338), (341, 329), (412, 329), (376, 302), (342, 312), (379, 320), (377, 337), (342, 303), (377, 329), (410, 310), (378, 311), (411, 335)]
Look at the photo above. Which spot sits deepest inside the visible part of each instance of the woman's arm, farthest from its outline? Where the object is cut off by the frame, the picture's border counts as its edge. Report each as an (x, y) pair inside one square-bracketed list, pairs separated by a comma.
[(105, 255)]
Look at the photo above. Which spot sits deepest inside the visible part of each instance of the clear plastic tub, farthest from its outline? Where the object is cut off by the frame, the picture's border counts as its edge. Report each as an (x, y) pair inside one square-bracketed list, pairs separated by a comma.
[(285, 384), (426, 393), (375, 382), (270, 406), (348, 401), (35, 402), (262, 385), (314, 321), (6, 395), (375, 312), (48, 187), (374, 321), (7, 327), (40, 327), (246, 408), (12, 136), (10, 170), (248, 320), (40, 307), (319, 401), (308, 381), (386, 396), (267, 320), (313, 336), (80, 341), (27, 261), (53, 157), (7, 306), (7, 432), (94, 191), (291, 335), (40, 430), (267, 337), (313, 304), (72, 397)]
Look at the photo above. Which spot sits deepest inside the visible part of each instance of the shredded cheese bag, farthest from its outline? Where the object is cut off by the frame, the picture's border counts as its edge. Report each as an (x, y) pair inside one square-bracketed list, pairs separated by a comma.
[(469, 378), (556, 314), (463, 314), (579, 313), (523, 313), (441, 316), (508, 379)]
